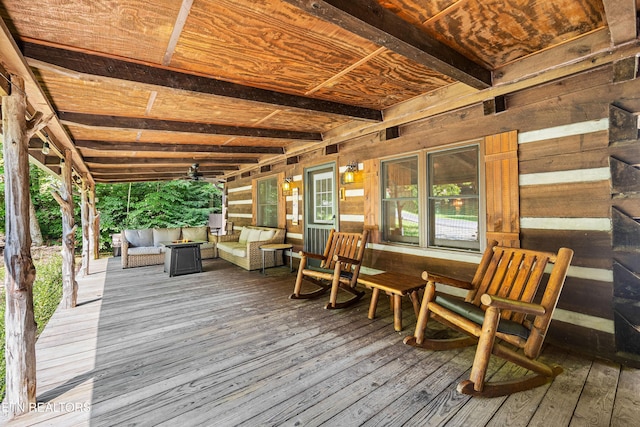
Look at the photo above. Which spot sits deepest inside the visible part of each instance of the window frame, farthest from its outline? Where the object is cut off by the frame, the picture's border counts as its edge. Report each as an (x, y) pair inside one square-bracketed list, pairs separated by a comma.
[(259, 220), (384, 230), (423, 197), (429, 219)]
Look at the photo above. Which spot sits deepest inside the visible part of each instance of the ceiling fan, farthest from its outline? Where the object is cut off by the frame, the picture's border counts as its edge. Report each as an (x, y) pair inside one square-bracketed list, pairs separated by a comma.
[(194, 174)]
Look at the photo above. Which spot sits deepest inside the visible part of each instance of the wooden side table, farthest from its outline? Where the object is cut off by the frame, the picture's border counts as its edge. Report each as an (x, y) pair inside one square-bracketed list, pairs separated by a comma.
[(396, 285), (274, 247)]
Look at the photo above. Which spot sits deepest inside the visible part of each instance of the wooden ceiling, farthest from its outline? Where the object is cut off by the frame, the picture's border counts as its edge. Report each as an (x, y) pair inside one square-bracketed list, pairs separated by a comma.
[(142, 89)]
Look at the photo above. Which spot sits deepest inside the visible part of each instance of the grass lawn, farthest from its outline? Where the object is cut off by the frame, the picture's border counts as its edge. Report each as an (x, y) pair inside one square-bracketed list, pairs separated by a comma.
[(47, 292)]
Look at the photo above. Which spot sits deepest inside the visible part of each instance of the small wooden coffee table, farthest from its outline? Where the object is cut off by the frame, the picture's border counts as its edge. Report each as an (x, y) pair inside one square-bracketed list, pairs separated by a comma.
[(396, 285)]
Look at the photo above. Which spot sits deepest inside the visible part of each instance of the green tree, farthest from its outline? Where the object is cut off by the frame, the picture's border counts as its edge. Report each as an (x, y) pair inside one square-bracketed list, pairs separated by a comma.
[(154, 204)]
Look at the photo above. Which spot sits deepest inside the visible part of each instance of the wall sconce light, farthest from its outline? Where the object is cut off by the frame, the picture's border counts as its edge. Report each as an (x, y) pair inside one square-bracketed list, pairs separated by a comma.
[(349, 175), (46, 148), (286, 185)]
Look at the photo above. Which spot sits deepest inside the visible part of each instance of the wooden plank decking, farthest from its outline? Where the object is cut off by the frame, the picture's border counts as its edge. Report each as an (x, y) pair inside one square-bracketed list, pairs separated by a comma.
[(226, 347)]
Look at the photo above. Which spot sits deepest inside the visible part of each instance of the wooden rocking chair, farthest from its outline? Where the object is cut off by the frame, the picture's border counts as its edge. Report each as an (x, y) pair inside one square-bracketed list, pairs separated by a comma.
[(498, 305), (339, 268)]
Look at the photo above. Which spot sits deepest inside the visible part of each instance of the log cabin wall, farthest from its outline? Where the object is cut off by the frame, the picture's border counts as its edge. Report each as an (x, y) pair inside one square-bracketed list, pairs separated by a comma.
[(565, 192)]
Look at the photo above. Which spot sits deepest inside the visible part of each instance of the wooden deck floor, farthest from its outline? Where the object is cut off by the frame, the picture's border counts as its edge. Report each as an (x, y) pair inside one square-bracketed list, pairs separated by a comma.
[(226, 347)]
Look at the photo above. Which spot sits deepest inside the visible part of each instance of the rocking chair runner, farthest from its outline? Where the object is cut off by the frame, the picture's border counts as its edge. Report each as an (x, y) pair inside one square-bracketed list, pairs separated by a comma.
[(498, 305), (339, 268)]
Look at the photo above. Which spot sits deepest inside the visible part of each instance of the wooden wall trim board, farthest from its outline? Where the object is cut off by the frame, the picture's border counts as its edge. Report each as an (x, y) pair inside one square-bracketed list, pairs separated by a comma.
[(239, 215), (580, 128), (584, 320), (559, 177), (596, 224), (239, 189)]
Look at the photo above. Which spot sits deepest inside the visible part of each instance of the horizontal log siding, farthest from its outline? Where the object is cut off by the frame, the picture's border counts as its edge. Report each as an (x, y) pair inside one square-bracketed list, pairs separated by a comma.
[(239, 206), (564, 191)]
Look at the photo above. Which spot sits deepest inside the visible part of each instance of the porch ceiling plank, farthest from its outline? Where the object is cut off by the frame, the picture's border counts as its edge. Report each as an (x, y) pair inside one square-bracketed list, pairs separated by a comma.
[(622, 20), (71, 118), (104, 66), (176, 148), (368, 19)]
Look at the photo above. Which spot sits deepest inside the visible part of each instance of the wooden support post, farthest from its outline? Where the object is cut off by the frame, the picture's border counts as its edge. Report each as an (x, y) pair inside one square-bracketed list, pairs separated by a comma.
[(94, 219), (20, 325), (84, 218), (64, 197)]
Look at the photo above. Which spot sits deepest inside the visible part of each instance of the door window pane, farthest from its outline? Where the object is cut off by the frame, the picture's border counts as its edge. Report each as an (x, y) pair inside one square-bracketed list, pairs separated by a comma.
[(323, 198)]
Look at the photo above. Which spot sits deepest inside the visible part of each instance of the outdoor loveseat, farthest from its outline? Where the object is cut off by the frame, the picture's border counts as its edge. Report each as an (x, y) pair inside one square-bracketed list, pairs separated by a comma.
[(243, 249), (143, 247)]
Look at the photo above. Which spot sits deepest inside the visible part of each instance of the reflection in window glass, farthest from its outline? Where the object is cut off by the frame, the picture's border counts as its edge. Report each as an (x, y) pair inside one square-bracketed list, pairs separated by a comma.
[(400, 213), (454, 198), (268, 202)]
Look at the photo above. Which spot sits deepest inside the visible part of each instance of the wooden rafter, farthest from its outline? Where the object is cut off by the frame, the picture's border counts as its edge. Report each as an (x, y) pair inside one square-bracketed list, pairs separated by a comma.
[(153, 161), (71, 118), (176, 148), (373, 22), (97, 65), (622, 20), (122, 169)]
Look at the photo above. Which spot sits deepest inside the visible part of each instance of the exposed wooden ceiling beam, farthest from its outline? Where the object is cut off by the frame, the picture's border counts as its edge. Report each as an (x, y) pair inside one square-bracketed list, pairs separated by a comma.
[(373, 22), (124, 180), (71, 118), (139, 174), (97, 65), (179, 169), (622, 20), (176, 148), (153, 161)]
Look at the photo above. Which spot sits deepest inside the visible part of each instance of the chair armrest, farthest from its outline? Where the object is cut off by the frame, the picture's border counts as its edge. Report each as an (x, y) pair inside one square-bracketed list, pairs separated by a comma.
[(430, 277), (311, 255), (513, 305), (345, 260)]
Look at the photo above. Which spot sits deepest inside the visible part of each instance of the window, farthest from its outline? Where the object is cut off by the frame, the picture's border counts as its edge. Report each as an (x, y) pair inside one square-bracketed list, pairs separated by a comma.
[(323, 198), (434, 203), (453, 199), (400, 213), (267, 202)]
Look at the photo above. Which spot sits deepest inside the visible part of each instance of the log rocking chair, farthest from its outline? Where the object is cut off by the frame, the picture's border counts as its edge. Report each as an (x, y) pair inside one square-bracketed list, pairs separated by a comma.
[(339, 269), (498, 305)]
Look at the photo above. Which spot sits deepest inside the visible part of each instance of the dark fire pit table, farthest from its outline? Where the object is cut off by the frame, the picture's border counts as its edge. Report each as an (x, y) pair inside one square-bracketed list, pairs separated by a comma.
[(182, 257)]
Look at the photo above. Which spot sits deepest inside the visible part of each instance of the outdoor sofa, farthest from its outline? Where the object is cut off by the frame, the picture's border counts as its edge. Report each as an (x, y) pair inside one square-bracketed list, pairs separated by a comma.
[(143, 247), (243, 249)]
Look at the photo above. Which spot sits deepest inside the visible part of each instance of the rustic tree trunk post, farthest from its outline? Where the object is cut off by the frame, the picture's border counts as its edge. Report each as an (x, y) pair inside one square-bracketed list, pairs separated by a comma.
[(36, 233), (20, 325), (94, 219), (84, 215), (64, 197)]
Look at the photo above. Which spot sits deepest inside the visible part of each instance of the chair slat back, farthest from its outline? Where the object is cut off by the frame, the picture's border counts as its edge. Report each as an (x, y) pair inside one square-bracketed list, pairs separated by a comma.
[(350, 245), (511, 273)]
